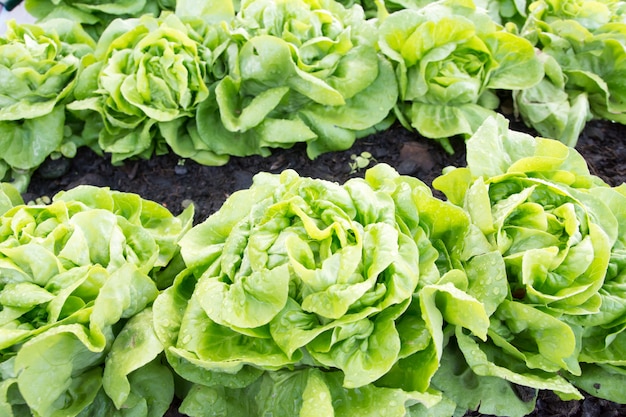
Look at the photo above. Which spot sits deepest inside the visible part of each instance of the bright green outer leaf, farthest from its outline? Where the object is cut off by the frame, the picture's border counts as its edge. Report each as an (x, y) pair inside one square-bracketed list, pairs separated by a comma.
[(9, 197), (454, 307), (152, 389), (304, 393), (210, 401), (549, 109), (488, 394), (516, 152), (55, 371), (518, 66), (487, 280), (183, 139), (418, 356), (442, 120), (366, 401), (134, 347), (124, 294), (270, 133), (28, 143), (236, 118), (486, 360), (602, 381), (542, 340)]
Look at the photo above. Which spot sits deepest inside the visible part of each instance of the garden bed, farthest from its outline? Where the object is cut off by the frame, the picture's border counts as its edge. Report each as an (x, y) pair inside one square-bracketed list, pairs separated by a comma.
[(175, 183)]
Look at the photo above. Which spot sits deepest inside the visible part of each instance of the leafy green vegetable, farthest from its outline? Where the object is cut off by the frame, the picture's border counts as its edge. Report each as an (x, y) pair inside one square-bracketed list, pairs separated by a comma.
[(296, 71), (146, 73), (590, 14), (9, 197), (583, 43), (314, 276), (77, 279), (529, 197), (559, 230), (38, 69), (449, 58), (551, 110), (604, 336)]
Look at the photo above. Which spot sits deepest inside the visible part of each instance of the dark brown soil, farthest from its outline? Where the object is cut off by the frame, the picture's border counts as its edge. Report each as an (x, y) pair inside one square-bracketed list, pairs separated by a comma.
[(174, 183)]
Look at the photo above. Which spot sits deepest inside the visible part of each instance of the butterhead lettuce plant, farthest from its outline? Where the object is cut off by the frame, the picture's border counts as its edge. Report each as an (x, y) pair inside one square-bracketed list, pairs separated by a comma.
[(296, 71), (558, 229), (583, 48), (77, 279), (329, 296), (39, 65), (604, 335), (145, 72), (530, 197), (450, 57)]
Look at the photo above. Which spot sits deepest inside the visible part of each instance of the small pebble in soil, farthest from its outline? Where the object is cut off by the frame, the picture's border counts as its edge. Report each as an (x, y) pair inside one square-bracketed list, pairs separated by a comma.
[(54, 168)]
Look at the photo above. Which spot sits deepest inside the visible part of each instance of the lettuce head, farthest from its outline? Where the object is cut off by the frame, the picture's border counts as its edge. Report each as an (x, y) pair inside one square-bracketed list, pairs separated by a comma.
[(296, 71), (145, 72), (77, 280), (558, 229), (582, 44), (326, 295), (450, 57), (39, 64)]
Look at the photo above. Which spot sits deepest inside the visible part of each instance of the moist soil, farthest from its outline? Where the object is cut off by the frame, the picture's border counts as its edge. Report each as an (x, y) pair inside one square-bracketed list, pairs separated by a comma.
[(175, 183)]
